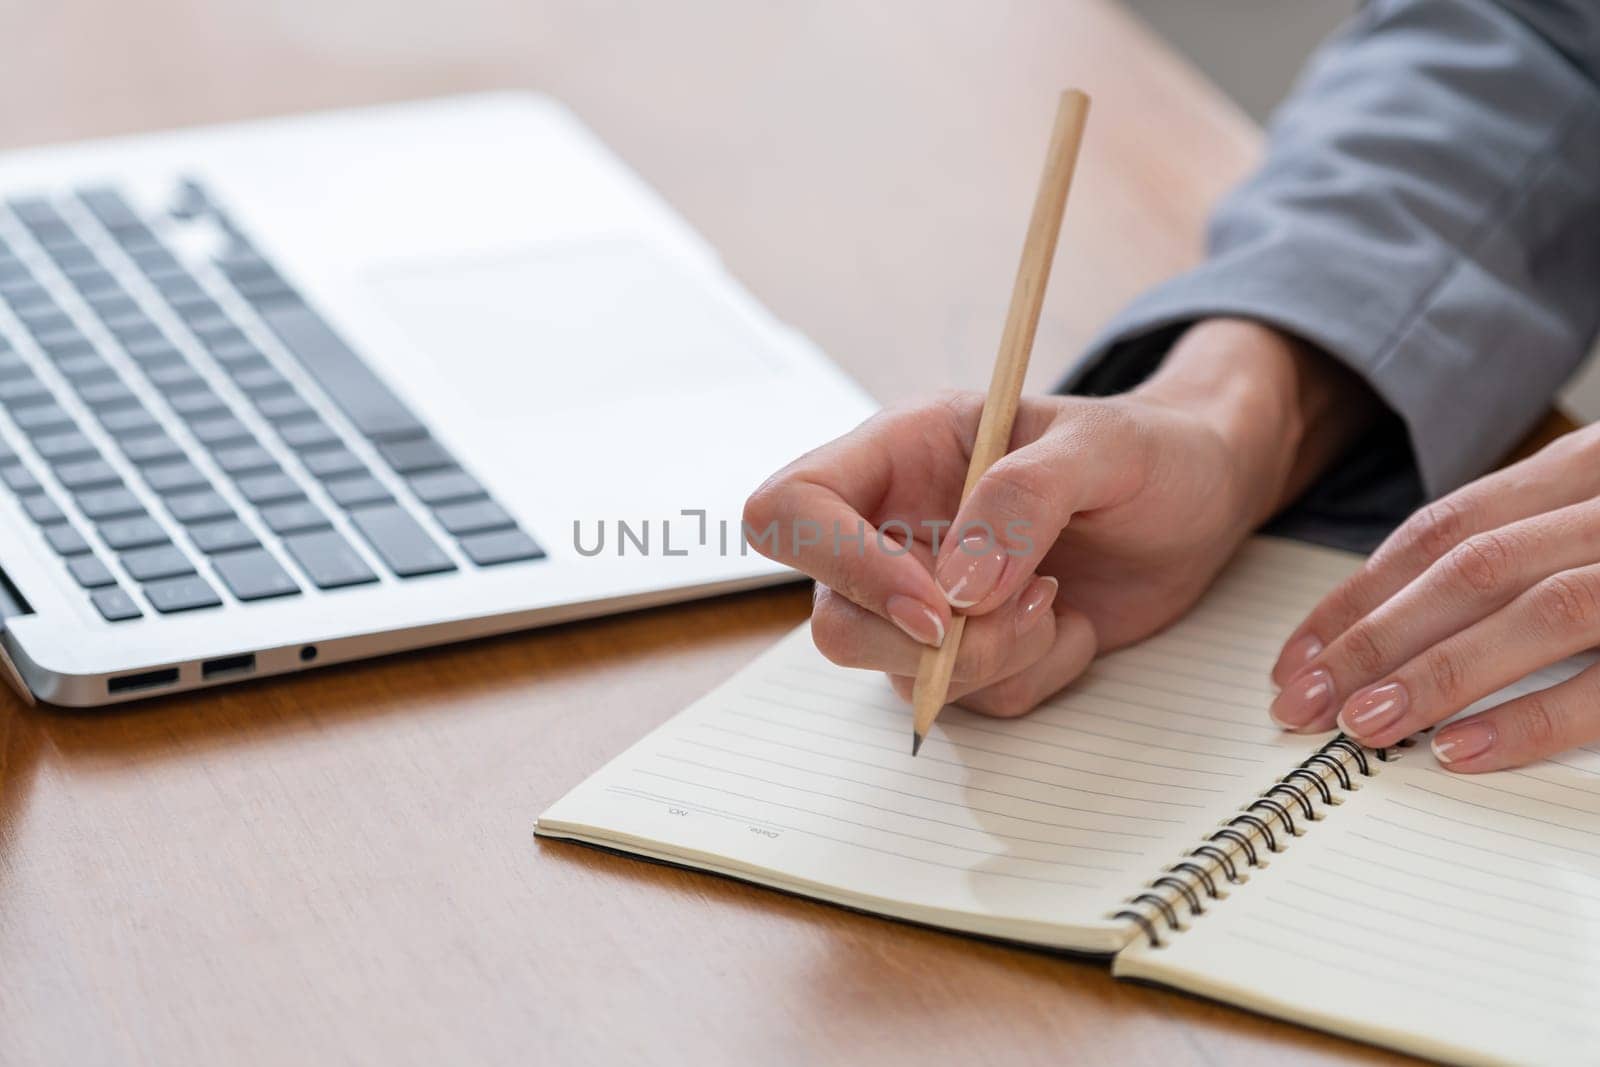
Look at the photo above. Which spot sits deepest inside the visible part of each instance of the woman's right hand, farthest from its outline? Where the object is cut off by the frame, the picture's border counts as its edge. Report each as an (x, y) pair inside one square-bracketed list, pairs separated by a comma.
[(1106, 521)]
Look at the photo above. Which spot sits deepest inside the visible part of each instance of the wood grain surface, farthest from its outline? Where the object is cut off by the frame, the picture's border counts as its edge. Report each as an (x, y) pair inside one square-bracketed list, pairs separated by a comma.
[(338, 868)]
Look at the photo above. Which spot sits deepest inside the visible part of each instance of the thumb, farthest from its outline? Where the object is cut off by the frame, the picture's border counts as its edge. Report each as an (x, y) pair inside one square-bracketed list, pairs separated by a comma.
[(1013, 516)]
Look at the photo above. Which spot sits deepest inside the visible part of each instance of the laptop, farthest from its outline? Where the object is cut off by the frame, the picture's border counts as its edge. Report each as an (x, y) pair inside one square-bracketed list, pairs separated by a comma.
[(289, 393)]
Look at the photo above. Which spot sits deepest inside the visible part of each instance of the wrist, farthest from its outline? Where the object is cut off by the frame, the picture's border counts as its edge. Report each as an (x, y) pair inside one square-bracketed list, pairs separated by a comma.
[(1283, 410)]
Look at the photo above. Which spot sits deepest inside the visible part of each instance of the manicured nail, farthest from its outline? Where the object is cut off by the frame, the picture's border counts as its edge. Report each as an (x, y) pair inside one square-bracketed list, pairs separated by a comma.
[(970, 573), (1373, 710), (1305, 700), (1464, 741), (1035, 602), (920, 622), (1296, 654)]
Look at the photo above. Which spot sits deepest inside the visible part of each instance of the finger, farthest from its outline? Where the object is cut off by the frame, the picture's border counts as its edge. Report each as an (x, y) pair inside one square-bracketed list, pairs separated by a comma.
[(1070, 654), (1551, 479), (1526, 729), (810, 516), (1476, 578), (993, 647), (1553, 620), (1019, 506)]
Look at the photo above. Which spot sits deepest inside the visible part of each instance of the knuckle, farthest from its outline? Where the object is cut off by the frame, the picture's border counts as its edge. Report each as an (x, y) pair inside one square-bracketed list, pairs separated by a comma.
[(1009, 698), (1483, 563), (1445, 675), (1438, 528), (1537, 724), (1568, 601), (984, 659), (1016, 486), (833, 634), (1363, 651)]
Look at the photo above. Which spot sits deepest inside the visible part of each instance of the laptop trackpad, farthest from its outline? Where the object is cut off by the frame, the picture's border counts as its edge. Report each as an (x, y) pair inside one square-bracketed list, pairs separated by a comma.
[(564, 327)]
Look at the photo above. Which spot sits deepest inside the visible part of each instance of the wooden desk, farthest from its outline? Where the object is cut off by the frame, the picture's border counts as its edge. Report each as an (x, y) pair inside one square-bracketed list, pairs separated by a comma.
[(339, 867)]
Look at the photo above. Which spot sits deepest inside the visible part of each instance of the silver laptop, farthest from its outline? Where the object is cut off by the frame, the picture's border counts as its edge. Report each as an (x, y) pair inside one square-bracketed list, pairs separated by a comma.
[(288, 393)]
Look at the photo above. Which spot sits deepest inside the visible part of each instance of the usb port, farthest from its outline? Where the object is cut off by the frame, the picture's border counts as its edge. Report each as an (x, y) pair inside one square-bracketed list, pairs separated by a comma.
[(212, 668), (126, 683)]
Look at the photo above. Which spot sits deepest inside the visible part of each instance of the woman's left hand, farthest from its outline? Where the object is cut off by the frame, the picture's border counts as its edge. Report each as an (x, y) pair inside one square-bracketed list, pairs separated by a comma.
[(1471, 594)]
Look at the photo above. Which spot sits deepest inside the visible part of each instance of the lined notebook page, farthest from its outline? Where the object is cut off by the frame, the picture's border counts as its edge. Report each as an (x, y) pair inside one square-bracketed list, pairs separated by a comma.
[(1455, 917), (797, 774)]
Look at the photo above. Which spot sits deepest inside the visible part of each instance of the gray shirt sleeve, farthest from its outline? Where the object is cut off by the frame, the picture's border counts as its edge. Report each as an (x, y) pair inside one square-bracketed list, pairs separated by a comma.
[(1428, 213)]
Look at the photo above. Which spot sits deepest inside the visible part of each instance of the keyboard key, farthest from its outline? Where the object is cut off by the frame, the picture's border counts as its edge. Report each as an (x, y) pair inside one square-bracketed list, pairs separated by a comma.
[(81, 474), (197, 403), (154, 353), (179, 477), (308, 435), (445, 487), (217, 332), (181, 594), (175, 378), (112, 305), (417, 454), (43, 418), (151, 448), (19, 479), (107, 205), (100, 504), (142, 330), (264, 379), (221, 430), (262, 489), (129, 422), (328, 559), (293, 517), (502, 546), (253, 574), (199, 507), (402, 542), (55, 447), (475, 516), (283, 407), (114, 605), (333, 463), (42, 510), (107, 394), (137, 531), (161, 561), (357, 492), (244, 459), (84, 367), (221, 536), (374, 409), (66, 539), (90, 573), (21, 391), (235, 352)]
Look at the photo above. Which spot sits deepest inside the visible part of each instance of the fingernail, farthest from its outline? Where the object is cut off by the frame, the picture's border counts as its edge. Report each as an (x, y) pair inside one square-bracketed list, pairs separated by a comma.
[(920, 622), (1374, 710), (1296, 654), (1031, 608), (1464, 741), (1304, 700), (969, 573)]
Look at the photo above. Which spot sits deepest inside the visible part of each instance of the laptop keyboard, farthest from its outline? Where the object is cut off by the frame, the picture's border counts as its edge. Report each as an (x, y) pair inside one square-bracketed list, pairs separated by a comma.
[(124, 368)]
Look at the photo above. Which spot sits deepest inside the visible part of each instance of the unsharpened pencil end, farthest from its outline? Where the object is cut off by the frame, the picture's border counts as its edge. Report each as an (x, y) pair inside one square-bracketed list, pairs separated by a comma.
[(916, 743)]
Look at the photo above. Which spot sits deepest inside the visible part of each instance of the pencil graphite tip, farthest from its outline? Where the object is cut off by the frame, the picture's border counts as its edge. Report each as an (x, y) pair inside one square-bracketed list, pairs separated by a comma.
[(916, 743)]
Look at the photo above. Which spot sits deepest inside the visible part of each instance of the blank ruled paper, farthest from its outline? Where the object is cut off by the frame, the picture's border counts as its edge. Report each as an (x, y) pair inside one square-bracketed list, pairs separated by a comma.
[(797, 774), (1455, 917)]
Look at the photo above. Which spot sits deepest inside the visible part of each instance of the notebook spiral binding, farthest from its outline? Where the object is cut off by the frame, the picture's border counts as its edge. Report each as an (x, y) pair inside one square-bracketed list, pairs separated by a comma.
[(1263, 826)]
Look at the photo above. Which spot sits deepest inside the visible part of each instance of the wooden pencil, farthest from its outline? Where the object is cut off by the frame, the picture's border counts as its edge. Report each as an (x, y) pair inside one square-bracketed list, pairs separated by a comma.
[(1011, 366)]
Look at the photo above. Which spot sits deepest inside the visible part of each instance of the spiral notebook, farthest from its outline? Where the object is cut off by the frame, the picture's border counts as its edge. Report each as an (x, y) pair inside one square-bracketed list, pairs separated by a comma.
[(1151, 813)]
